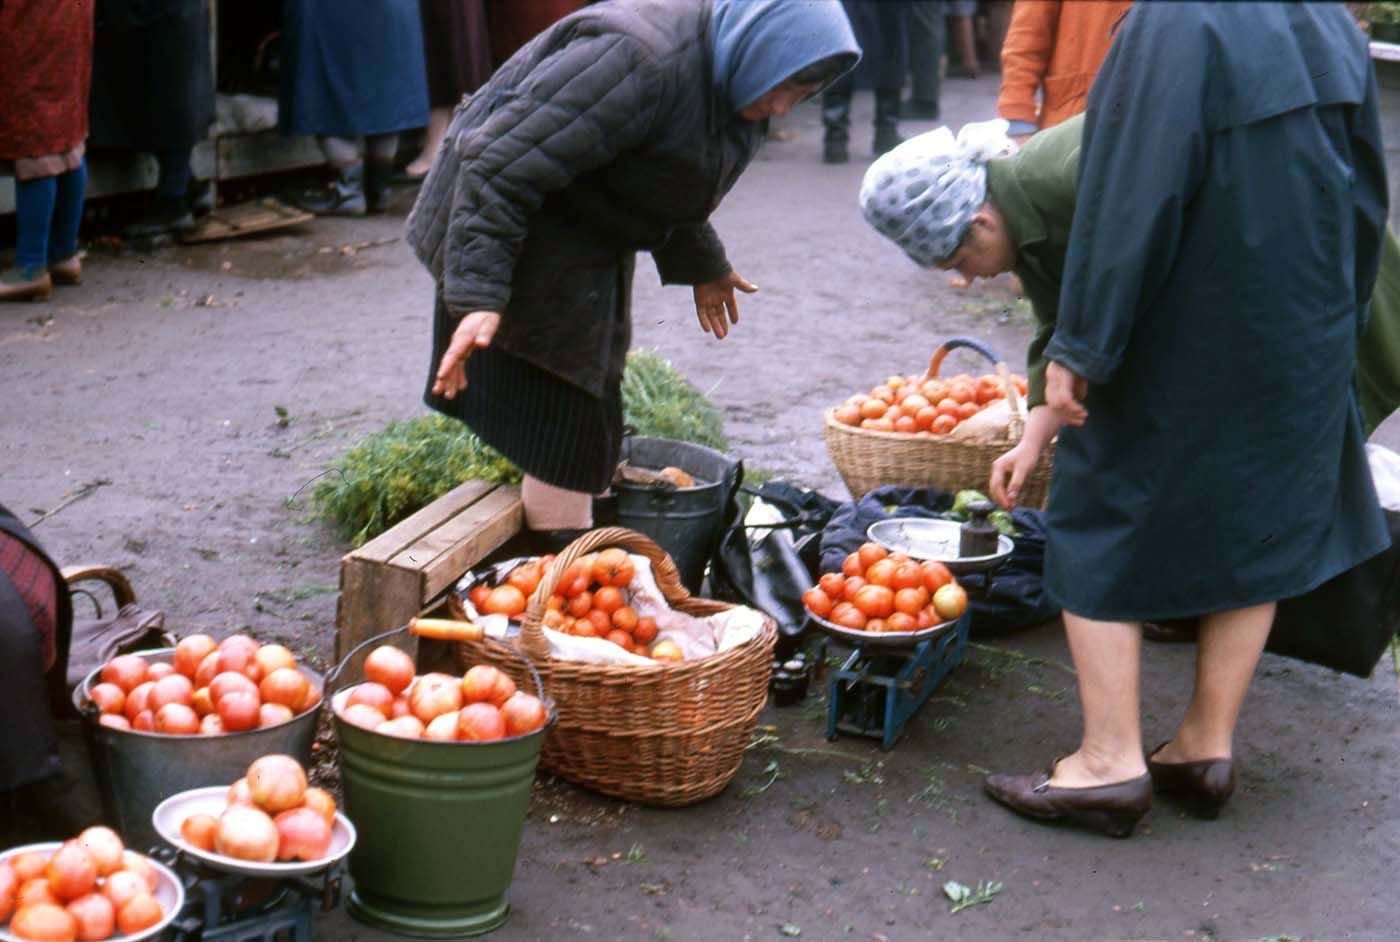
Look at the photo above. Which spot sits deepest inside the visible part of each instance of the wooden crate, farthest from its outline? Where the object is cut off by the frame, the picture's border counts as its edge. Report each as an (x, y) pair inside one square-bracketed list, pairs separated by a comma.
[(408, 568)]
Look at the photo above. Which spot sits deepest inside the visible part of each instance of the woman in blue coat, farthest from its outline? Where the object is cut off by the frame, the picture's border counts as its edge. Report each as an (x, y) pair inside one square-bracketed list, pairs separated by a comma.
[(1232, 204)]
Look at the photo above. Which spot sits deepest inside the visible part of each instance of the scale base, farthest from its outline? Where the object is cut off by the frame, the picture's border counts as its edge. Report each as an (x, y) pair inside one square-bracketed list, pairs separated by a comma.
[(876, 694)]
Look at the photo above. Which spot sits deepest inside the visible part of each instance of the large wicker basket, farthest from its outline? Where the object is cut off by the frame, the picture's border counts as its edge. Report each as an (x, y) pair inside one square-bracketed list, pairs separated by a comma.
[(663, 734), (867, 459)]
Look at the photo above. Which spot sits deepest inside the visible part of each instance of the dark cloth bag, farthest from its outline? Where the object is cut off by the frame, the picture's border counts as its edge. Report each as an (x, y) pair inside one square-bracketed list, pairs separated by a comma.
[(97, 640), (1348, 622), (1011, 599)]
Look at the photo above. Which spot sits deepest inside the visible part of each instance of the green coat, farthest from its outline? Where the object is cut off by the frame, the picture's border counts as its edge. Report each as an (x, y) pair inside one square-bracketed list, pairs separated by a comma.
[(1035, 192)]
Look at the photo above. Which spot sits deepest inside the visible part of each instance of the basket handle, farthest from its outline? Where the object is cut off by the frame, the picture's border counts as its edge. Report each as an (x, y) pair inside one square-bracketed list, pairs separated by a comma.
[(668, 579), (955, 343)]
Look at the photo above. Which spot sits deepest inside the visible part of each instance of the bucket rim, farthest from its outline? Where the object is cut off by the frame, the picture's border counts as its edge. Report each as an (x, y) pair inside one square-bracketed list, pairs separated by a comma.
[(82, 702), (339, 721)]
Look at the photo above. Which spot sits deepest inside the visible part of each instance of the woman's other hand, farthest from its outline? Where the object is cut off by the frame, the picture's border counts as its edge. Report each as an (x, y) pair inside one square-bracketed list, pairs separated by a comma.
[(716, 305), (474, 330), (1009, 472), (1064, 392)]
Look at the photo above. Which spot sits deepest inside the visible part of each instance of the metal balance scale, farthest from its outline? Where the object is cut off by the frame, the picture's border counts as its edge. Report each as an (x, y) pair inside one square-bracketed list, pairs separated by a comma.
[(889, 676), (228, 900)]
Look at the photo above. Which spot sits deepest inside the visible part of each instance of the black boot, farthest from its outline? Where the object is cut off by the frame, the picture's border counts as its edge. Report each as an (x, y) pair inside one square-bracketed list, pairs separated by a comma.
[(377, 185), (836, 119), (344, 197), (169, 216), (887, 135)]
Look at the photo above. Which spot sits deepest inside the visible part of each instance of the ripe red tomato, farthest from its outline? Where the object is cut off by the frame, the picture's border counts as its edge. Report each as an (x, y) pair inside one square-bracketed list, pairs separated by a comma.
[(852, 566), (505, 600), (936, 575), (967, 410), (948, 406), (963, 390), (906, 576), (833, 585), (900, 621), (874, 601), (851, 586), (881, 573), (910, 600), (925, 418), (944, 424), (988, 390), (871, 553), (817, 602), (906, 425), (848, 415), (848, 616), (873, 409), (878, 425)]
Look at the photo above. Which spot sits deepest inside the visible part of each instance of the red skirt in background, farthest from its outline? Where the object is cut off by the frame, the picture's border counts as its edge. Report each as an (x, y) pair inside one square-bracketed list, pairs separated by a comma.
[(516, 22), (457, 47), (45, 74)]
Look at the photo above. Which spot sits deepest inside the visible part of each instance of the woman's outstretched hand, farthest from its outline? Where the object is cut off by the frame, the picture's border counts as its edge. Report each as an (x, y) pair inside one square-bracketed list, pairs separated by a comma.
[(1009, 472), (716, 305), (474, 330)]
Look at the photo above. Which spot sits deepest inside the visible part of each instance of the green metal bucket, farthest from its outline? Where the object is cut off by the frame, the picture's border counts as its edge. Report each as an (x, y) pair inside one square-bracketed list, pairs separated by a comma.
[(439, 827)]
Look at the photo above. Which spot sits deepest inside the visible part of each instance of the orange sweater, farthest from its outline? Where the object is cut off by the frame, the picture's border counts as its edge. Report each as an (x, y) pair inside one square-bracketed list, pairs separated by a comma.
[(1055, 47)]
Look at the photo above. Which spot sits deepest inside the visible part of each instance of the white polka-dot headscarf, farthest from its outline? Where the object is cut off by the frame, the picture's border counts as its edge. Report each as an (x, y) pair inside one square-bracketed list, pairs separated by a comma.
[(924, 193)]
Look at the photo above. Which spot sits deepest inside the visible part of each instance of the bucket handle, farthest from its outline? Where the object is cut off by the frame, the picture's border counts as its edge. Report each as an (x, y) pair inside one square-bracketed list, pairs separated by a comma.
[(438, 628)]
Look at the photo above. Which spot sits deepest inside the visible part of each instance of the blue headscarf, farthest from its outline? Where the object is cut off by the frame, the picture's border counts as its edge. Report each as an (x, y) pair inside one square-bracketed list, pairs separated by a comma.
[(759, 44)]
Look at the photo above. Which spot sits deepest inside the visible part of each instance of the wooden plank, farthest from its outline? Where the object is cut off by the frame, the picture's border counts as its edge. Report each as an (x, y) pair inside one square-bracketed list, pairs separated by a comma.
[(465, 540), (373, 598), (404, 533)]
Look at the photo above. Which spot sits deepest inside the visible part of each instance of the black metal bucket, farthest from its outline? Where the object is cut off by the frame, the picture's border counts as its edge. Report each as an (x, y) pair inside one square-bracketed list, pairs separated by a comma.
[(685, 522)]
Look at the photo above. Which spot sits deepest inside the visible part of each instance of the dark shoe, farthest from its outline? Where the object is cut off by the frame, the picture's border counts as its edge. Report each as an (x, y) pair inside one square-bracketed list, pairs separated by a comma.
[(169, 216), (377, 177), (69, 271), (1109, 809), (919, 110), (835, 152), (19, 284), (1203, 787), (886, 139), (344, 197), (1176, 631)]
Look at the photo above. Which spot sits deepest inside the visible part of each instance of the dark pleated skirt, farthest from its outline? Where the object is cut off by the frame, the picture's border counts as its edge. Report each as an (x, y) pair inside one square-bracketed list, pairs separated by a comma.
[(549, 428), (457, 47)]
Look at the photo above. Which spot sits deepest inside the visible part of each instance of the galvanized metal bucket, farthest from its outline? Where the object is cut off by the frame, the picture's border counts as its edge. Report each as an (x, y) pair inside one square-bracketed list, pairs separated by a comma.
[(686, 522), (137, 771), (439, 824)]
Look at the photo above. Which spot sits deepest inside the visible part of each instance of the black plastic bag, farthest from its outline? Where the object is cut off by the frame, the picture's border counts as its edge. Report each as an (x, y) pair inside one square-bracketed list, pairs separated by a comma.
[(769, 567), (1015, 598)]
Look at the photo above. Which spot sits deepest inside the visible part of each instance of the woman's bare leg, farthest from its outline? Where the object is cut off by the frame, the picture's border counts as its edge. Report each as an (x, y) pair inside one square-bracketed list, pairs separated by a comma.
[(552, 508), (1229, 647), (438, 119), (1107, 659)]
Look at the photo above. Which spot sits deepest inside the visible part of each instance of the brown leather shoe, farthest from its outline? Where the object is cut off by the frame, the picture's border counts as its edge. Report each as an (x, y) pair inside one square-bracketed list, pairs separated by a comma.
[(1109, 809), (1203, 786), (15, 285), (67, 272)]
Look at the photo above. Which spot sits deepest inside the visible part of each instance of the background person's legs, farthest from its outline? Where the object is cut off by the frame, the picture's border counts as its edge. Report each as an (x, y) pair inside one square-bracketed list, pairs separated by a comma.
[(438, 120), (70, 191), (379, 166), (346, 194), (926, 31), (34, 205)]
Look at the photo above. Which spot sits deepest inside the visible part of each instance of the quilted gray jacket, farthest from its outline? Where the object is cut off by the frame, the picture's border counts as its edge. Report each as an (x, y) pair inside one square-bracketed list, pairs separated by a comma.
[(600, 138)]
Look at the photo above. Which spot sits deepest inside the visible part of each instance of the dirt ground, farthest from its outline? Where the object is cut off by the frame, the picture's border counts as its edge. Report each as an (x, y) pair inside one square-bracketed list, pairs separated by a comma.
[(151, 394)]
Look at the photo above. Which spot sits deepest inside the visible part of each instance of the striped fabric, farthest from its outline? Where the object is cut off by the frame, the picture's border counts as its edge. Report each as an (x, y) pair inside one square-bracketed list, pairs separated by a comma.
[(33, 580), (549, 428)]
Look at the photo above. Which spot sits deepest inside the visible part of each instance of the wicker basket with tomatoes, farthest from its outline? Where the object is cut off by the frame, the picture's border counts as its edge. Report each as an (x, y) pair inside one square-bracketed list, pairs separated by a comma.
[(663, 731), (926, 430)]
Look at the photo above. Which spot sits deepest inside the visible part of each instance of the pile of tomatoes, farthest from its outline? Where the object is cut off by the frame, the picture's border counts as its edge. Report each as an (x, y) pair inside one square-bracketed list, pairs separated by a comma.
[(269, 814), (208, 688), (90, 888), (592, 599), (916, 405), (879, 591), (480, 706)]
